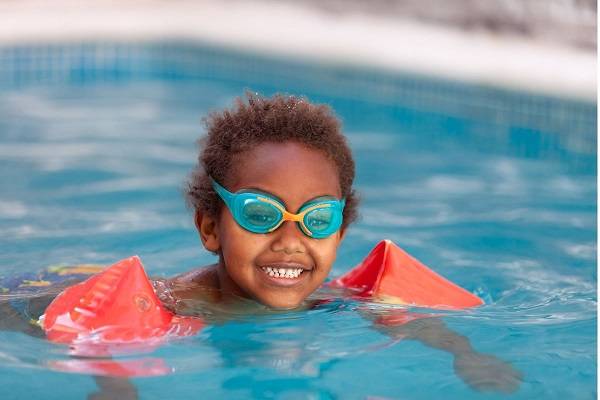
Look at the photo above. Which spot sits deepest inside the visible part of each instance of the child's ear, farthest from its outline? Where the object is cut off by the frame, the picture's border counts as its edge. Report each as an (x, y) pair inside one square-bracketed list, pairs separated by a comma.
[(209, 231)]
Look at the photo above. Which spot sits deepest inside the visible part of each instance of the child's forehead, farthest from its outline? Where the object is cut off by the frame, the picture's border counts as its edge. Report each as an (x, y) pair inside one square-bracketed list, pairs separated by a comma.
[(287, 158), (285, 170)]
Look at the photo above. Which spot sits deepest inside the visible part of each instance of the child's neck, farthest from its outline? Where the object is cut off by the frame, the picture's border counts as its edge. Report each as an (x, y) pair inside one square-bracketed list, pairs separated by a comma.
[(229, 291)]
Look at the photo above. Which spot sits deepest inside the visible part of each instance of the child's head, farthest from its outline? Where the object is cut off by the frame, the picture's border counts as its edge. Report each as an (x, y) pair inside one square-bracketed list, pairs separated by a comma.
[(281, 151)]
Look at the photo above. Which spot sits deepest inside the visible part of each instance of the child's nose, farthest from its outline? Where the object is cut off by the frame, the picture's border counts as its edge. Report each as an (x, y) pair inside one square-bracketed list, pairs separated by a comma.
[(288, 239)]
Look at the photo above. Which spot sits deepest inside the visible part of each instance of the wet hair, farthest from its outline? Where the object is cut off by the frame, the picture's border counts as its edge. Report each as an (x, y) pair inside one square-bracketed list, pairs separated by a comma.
[(254, 120)]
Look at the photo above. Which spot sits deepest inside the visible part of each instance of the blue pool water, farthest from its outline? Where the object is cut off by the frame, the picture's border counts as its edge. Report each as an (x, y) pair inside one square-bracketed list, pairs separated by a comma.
[(494, 190)]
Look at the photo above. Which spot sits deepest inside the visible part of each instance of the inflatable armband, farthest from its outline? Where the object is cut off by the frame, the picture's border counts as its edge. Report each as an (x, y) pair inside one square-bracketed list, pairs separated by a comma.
[(117, 305), (391, 275)]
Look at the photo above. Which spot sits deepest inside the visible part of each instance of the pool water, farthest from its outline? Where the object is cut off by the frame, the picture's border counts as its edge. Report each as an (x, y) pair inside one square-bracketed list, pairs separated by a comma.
[(92, 171)]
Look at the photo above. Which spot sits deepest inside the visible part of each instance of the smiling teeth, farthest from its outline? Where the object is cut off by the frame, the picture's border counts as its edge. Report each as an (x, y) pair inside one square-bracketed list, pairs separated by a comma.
[(283, 272)]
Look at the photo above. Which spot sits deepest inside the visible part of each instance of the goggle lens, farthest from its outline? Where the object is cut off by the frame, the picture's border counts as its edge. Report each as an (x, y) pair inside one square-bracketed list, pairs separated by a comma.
[(260, 215), (319, 220)]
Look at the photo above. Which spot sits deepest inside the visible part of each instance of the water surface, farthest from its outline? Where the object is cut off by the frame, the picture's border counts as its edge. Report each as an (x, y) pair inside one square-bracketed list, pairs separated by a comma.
[(93, 173)]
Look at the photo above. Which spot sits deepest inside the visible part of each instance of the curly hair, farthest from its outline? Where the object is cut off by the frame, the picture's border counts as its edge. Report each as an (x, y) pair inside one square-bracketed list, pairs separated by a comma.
[(255, 120)]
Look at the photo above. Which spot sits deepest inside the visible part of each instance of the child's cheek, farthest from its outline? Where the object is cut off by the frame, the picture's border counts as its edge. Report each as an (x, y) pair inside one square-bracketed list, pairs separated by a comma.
[(325, 255)]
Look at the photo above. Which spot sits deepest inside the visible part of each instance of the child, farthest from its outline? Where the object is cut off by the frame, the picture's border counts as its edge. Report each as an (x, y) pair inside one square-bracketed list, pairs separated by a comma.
[(265, 163)]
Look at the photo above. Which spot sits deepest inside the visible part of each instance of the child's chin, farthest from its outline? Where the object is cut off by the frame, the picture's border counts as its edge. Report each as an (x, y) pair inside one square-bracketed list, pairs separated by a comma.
[(283, 305)]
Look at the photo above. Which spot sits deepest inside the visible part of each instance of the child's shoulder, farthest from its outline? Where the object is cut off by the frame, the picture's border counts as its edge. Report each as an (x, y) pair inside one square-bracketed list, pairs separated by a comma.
[(204, 276), (200, 284)]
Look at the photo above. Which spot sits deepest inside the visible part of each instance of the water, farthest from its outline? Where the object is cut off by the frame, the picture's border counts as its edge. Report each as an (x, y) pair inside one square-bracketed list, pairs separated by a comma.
[(93, 172)]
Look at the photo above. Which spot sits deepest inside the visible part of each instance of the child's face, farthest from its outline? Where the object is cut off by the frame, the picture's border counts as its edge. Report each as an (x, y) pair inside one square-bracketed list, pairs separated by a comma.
[(295, 174)]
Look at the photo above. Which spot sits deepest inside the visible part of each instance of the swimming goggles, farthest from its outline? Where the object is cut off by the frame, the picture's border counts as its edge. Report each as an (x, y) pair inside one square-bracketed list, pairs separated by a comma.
[(260, 212)]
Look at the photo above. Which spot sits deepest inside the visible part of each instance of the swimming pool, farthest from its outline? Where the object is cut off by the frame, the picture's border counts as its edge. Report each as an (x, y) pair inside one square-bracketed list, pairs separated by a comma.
[(495, 190)]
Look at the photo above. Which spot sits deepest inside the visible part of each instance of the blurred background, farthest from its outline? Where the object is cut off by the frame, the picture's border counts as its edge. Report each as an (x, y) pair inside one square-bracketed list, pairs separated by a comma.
[(546, 46), (567, 21)]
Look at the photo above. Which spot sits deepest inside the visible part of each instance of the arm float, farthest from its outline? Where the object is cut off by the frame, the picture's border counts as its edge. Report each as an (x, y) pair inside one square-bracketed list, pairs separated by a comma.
[(117, 305), (391, 275)]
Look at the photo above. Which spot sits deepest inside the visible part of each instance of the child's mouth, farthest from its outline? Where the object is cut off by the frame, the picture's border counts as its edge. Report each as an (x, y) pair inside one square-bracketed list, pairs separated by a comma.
[(290, 273), (284, 274)]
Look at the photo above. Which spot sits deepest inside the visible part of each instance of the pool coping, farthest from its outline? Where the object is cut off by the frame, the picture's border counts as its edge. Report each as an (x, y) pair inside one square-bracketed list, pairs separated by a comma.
[(360, 40)]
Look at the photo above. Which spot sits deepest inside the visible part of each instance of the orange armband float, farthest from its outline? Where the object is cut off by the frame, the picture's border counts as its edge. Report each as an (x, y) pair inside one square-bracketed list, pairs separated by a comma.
[(391, 275), (117, 305)]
